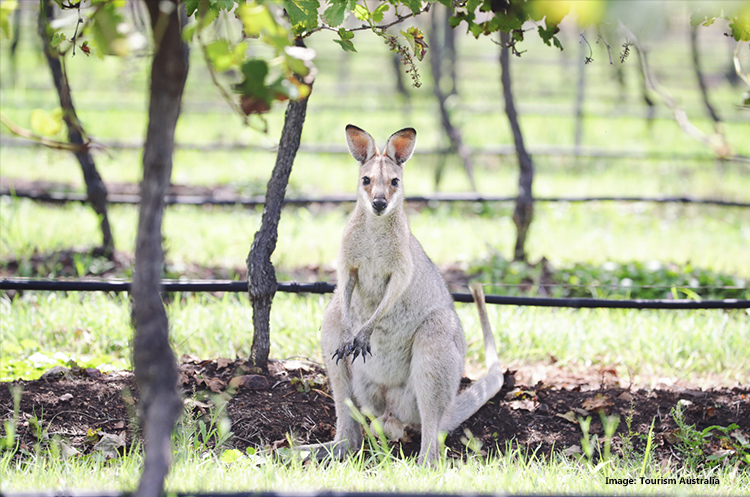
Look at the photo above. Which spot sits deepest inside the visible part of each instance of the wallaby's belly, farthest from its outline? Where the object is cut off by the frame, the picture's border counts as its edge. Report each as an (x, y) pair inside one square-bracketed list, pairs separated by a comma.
[(384, 384)]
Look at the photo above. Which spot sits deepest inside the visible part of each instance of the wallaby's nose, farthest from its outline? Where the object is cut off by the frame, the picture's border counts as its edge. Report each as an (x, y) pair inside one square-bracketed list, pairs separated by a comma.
[(379, 204)]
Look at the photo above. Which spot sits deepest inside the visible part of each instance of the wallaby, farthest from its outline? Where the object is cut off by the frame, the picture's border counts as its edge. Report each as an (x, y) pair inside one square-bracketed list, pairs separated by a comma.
[(392, 307)]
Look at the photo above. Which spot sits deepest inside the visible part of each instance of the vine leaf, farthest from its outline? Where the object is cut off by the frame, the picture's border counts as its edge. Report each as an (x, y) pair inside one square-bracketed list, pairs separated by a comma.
[(6, 8), (379, 12), (345, 41), (108, 38), (414, 5), (223, 56), (338, 11), (303, 14), (47, 123)]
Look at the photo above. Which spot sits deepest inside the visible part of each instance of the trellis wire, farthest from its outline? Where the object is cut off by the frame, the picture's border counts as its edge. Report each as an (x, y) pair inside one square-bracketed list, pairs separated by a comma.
[(333, 149), (23, 284), (114, 198)]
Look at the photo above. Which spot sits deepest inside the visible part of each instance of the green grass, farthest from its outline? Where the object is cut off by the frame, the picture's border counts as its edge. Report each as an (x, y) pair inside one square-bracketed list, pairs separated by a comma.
[(694, 346), (517, 471), (708, 237)]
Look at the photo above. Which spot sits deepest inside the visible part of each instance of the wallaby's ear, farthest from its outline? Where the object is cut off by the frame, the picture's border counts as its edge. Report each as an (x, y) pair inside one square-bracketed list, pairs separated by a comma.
[(401, 145), (361, 144)]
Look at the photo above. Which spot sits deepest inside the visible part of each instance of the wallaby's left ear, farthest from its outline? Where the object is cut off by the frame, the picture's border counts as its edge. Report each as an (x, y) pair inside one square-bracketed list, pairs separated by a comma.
[(401, 144)]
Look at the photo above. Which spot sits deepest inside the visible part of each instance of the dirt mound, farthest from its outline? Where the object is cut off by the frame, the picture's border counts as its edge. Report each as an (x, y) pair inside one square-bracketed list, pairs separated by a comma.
[(83, 407)]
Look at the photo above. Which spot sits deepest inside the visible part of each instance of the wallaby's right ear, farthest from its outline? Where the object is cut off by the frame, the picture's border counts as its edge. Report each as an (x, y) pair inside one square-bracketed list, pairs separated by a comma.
[(361, 144)]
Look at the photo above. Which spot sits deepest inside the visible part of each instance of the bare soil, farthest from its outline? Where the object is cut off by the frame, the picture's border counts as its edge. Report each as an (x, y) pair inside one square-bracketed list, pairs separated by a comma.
[(82, 407)]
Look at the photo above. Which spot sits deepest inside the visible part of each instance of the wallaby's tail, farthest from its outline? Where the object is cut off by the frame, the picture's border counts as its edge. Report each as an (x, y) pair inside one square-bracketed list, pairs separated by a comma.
[(490, 349), (473, 398)]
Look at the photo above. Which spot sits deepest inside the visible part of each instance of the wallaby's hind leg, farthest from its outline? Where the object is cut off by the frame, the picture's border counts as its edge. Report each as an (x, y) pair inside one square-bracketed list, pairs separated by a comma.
[(348, 431), (437, 365)]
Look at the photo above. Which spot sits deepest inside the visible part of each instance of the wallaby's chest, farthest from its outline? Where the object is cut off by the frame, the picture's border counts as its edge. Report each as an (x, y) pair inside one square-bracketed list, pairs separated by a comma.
[(374, 270)]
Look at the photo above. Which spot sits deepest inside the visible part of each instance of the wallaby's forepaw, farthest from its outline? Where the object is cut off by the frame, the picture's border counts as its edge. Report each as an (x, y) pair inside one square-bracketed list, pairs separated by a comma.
[(360, 345)]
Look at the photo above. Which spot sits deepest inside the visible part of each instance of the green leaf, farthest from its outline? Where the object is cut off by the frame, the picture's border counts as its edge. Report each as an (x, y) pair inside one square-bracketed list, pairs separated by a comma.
[(108, 38), (414, 5), (57, 38), (362, 13), (378, 13), (347, 45), (46, 123), (298, 60), (303, 14), (223, 4), (740, 26), (255, 18), (338, 11), (191, 6), (6, 9), (229, 456), (548, 35), (223, 56), (254, 82)]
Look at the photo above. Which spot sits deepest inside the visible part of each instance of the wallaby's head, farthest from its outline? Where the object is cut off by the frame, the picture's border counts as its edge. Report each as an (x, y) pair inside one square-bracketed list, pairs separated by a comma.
[(380, 175)]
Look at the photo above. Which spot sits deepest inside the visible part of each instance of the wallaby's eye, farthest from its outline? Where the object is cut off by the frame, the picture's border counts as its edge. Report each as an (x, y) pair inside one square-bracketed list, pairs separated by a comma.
[(366, 180), (394, 182)]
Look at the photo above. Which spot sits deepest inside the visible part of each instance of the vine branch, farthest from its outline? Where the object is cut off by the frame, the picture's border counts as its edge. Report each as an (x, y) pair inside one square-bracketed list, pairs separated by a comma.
[(54, 144), (366, 27), (717, 141)]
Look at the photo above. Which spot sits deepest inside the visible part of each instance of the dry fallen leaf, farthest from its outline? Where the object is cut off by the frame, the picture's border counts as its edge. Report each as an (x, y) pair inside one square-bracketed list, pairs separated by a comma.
[(626, 396), (568, 416), (222, 362), (216, 385), (525, 404), (251, 381), (108, 445), (598, 403), (573, 449), (582, 412)]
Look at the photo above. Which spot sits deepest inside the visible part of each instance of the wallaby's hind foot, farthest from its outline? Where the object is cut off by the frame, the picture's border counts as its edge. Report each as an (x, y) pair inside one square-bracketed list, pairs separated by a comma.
[(319, 452)]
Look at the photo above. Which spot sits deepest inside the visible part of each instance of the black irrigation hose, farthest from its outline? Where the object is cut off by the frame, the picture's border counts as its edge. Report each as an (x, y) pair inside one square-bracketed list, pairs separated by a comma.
[(61, 198), (322, 287)]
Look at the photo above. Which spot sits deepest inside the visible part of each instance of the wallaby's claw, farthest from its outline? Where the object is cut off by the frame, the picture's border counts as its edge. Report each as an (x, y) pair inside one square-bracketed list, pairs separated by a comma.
[(355, 348)]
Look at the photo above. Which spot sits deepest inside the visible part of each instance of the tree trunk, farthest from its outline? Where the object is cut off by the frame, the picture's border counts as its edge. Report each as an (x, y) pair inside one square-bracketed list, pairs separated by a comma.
[(261, 275), (699, 74), (524, 210), (155, 365), (95, 187), (454, 134)]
